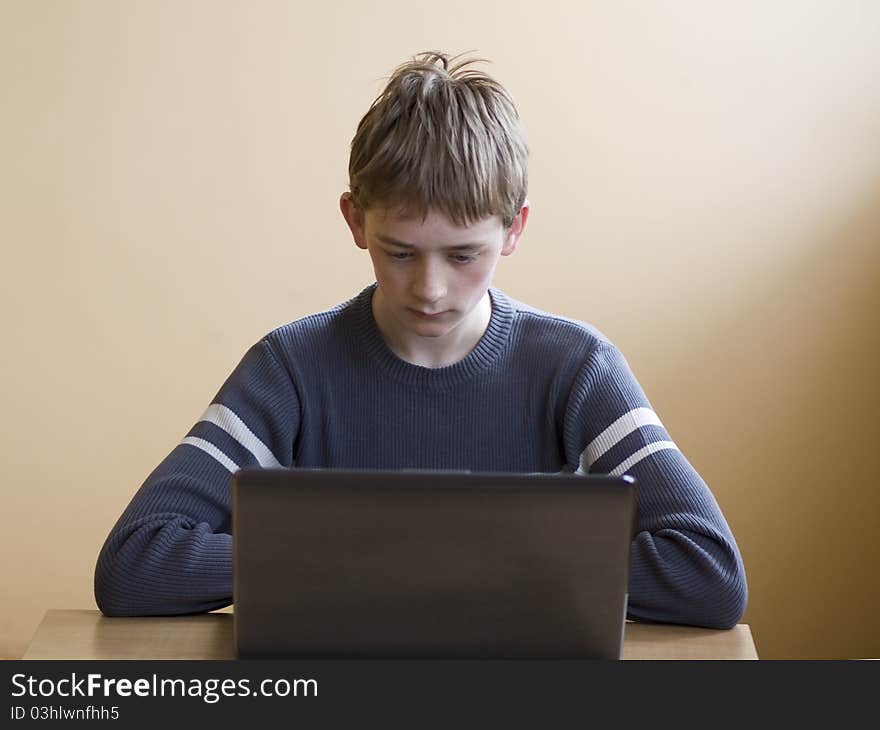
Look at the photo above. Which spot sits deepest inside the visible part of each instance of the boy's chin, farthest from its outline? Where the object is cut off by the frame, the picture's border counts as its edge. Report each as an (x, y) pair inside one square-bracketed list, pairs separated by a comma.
[(431, 329)]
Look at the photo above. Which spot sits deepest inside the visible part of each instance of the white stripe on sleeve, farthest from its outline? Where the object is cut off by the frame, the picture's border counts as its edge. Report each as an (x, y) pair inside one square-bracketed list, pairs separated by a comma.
[(641, 454), (616, 432), (226, 419), (209, 448)]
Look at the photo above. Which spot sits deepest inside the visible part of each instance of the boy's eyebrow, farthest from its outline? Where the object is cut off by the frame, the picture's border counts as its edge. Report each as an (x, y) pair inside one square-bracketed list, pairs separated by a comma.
[(391, 241)]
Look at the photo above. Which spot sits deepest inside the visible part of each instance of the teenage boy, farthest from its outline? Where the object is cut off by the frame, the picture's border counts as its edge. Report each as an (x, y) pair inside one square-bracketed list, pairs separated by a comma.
[(429, 367)]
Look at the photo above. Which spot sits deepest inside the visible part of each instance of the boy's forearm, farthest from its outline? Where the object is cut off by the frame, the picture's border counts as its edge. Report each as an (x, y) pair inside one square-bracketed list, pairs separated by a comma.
[(685, 565), (164, 565), (679, 577)]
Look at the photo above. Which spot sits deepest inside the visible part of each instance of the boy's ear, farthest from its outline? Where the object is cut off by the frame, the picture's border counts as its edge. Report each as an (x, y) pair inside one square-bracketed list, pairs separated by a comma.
[(354, 217), (513, 233)]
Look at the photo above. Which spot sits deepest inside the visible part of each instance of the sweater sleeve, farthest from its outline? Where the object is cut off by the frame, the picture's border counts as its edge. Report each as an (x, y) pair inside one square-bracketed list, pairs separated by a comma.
[(171, 550), (685, 566)]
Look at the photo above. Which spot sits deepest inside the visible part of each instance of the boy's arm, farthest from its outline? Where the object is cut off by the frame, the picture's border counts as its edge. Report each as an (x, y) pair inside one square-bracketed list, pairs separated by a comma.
[(685, 565), (171, 550)]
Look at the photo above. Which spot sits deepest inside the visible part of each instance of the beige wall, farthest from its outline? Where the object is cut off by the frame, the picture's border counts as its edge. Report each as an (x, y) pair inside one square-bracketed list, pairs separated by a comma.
[(705, 184)]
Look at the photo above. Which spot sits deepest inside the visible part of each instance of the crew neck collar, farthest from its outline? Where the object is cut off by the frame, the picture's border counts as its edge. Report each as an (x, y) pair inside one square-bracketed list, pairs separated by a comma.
[(488, 348)]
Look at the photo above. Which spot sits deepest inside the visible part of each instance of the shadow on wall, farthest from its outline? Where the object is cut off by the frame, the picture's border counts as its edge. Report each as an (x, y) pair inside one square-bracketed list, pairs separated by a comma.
[(791, 383)]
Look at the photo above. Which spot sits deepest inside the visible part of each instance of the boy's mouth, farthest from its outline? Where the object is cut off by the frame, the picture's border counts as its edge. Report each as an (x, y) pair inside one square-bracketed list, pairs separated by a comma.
[(426, 315)]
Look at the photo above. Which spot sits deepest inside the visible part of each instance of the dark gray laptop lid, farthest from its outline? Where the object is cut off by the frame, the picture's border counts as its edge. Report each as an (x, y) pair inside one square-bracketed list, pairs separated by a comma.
[(345, 564)]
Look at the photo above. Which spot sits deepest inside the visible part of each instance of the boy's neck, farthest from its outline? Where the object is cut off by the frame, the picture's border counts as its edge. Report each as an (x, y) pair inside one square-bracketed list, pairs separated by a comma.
[(433, 352)]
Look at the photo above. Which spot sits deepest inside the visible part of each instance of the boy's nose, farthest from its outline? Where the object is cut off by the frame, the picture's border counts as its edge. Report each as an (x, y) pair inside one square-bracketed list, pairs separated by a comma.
[(428, 285)]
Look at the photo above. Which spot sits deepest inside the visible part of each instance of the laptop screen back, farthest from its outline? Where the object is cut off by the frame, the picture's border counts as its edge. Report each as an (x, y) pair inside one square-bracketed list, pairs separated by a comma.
[(429, 564)]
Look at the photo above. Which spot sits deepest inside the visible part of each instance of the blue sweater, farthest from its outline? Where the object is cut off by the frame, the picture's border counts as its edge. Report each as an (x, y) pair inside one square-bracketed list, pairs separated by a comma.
[(539, 393)]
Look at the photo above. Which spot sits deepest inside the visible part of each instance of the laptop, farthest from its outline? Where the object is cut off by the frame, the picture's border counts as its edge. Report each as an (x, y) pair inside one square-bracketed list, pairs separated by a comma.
[(345, 564)]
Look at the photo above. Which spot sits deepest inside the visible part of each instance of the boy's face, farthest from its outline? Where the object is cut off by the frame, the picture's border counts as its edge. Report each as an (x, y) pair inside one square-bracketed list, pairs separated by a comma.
[(433, 274)]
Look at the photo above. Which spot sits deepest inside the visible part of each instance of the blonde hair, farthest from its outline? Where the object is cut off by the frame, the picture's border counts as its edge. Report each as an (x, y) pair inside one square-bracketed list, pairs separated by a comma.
[(441, 137)]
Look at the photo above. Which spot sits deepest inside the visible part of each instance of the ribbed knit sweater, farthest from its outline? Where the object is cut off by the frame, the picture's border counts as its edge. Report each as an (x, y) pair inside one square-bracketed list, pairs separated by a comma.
[(538, 393)]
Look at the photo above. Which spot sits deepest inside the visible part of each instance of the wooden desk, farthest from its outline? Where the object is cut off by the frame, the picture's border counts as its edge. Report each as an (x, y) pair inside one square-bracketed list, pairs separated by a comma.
[(81, 634)]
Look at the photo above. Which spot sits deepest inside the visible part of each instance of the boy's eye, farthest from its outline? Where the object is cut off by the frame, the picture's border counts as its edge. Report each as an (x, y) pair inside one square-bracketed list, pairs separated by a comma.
[(458, 258)]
